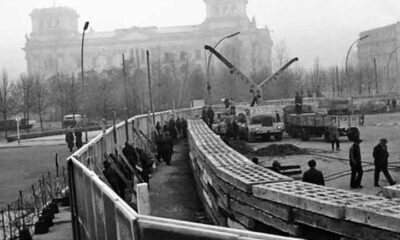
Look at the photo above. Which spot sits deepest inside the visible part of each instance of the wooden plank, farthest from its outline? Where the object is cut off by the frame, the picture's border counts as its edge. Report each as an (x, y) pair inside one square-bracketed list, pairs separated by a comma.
[(275, 209), (269, 220), (244, 220), (341, 227)]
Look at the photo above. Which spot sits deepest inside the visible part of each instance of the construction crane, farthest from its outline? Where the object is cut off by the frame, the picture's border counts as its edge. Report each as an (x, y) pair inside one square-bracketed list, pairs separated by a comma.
[(255, 89)]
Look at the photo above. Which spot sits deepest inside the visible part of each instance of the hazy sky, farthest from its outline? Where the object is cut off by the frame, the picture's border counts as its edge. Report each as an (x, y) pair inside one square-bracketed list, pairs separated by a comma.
[(310, 28)]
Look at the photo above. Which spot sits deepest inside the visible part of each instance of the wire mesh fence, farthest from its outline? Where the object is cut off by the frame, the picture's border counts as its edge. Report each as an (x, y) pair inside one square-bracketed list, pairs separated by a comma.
[(21, 215)]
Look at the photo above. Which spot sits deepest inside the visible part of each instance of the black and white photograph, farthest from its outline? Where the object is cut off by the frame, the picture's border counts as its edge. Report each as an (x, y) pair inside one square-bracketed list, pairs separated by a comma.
[(200, 119)]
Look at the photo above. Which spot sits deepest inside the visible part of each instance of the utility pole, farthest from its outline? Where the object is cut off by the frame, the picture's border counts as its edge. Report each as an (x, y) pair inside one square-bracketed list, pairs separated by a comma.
[(125, 86), (149, 77), (376, 76)]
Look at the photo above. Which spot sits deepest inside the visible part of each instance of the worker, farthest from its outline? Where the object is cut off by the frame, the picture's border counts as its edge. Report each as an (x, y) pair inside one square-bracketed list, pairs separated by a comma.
[(114, 179), (223, 131), (69, 138), (381, 156), (235, 129), (278, 117), (333, 132), (276, 167), (298, 101), (355, 164), (210, 116), (167, 148), (313, 175)]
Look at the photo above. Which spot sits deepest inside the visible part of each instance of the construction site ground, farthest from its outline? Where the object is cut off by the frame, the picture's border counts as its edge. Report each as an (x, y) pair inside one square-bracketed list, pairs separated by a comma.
[(335, 165)]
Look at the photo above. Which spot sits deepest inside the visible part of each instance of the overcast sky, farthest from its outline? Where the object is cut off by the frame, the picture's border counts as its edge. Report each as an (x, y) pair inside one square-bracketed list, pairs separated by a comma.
[(310, 28)]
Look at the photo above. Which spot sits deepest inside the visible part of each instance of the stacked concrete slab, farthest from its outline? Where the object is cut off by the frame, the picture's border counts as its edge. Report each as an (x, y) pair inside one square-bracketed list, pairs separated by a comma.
[(238, 193)]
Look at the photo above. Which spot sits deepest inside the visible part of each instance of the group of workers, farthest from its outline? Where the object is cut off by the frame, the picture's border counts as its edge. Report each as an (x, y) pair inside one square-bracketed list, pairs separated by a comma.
[(167, 136), (73, 135), (380, 155), (226, 125)]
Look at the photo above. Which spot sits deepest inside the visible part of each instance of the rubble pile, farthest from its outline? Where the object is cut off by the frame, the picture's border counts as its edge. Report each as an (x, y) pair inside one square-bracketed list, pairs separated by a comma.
[(280, 150)]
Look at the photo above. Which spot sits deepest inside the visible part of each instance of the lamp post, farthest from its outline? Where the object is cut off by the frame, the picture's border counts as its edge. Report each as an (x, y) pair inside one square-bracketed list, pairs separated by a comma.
[(347, 59), (209, 61), (388, 64), (83, 80)]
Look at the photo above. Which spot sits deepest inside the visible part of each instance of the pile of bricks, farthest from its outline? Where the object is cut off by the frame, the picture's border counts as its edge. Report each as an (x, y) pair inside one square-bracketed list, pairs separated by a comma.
[(238, 193)]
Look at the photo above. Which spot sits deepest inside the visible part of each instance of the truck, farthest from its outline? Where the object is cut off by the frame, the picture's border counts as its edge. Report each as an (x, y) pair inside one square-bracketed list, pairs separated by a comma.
[(256, 120), (260, 121), (315, 123)]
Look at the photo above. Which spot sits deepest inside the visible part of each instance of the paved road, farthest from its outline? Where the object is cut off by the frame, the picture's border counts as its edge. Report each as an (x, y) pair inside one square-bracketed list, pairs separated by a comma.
[(172, 189), (376, 127)]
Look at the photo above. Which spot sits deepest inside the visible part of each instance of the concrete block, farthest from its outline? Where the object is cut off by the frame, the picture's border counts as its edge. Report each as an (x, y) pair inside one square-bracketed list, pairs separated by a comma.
[(383, 214), (269, 220), (310, 197), (392, 191), (246, 175)]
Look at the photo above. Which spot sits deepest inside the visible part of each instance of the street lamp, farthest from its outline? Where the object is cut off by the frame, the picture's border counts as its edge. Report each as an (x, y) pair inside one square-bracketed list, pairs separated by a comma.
[(209, 60), (347, 59), (83, 80), (390, 59)]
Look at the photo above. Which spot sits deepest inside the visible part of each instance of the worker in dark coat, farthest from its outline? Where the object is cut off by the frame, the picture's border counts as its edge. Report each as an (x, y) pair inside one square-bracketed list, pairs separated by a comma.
[(313, 175), (355, 164), (333, 132), (235, 129), (78, 138), (69, 138), (172, 129), (114, 179), (210, 116), (381, 156), (130, 154), (167, 147), (298, 101), (184, 128)]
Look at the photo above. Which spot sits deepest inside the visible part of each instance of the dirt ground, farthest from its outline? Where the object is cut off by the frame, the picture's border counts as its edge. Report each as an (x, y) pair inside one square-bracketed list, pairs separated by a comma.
[(332, 164), (21, 167)]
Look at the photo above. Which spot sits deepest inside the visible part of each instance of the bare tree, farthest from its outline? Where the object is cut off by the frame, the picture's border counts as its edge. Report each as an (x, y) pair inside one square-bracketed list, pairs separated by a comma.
[(41, 99), (25, 91), (7, 101)]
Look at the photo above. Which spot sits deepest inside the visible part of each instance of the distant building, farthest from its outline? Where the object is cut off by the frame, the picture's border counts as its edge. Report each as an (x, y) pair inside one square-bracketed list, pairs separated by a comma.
[(381, 49), (54, 43)]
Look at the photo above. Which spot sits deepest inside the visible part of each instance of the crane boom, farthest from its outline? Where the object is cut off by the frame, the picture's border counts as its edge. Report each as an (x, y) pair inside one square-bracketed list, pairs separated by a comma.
[(277, 73), (234, 70), (255, 89)]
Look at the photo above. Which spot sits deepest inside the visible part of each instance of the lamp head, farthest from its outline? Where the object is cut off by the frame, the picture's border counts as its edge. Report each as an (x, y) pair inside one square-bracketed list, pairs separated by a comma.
[(86, 26), (232, 35)]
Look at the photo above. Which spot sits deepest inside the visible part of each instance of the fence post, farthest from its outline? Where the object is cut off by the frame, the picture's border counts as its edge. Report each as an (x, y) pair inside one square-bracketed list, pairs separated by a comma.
[(3, 224), (73, 201), (143, 199), (51, 185), (10, 221), (22, 209), (35, 200)]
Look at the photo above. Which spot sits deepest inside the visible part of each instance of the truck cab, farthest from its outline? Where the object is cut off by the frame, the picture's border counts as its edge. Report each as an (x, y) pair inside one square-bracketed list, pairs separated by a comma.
[(262, 121)]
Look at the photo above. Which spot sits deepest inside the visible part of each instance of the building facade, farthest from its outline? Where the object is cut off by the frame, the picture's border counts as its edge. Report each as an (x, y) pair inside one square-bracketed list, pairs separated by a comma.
[(378, 57), (55, 41)]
